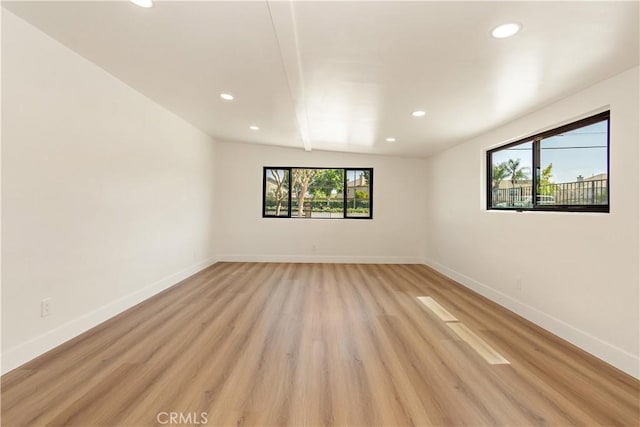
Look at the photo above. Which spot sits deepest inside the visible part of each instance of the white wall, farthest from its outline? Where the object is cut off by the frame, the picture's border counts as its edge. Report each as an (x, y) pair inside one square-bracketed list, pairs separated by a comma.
[(580, 272), (394, 235), (107, 198)]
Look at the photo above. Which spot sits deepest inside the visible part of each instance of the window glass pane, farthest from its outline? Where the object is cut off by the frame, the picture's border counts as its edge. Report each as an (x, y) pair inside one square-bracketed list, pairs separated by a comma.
[(573, 167), (511, 177), (358, 193), (276, 192), (318, 193)]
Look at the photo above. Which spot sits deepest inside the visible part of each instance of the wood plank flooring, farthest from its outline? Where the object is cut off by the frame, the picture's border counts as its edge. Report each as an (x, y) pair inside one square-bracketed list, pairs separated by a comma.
[(437, 309), (315, 344), (478, 344)]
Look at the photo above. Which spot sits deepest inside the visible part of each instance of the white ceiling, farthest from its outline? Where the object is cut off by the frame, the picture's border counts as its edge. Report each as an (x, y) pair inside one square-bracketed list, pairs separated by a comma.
[(346, 75)]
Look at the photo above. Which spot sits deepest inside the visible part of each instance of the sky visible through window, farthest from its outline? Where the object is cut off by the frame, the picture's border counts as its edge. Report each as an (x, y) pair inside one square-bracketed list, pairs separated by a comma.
[(581, 152)]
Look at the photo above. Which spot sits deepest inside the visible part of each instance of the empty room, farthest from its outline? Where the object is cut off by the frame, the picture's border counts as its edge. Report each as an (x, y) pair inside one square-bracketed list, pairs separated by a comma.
[(320, 213)]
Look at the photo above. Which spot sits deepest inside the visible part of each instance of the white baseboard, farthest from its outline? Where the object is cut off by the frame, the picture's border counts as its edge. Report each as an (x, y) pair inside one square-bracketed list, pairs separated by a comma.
[(322, 259), (609, 353), (28, 350)]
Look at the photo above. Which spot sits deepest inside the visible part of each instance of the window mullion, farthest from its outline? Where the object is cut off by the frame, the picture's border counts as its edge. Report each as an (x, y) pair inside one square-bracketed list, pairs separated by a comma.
[(290, 190), (344, 193), (535, 176)]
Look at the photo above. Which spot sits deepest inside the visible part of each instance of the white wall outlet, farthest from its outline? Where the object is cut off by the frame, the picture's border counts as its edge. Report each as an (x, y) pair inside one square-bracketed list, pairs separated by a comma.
[(519, 283), (45, 307), (313, 248)]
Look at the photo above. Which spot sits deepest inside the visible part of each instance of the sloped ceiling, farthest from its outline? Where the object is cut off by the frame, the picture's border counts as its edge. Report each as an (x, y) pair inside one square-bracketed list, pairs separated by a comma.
[(345, 76)]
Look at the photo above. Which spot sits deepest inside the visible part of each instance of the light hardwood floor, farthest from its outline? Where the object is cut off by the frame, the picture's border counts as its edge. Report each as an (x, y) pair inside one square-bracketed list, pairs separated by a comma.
[(316, 344)]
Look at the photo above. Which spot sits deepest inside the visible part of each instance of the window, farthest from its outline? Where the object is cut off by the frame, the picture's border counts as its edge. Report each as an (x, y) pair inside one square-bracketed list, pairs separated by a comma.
[(358, 193), (290, 192), (276, 192), (564, 169)]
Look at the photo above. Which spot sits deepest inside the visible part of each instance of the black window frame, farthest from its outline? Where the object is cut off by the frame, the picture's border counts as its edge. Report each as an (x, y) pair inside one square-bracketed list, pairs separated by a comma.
[(535, 161), (290, 190)]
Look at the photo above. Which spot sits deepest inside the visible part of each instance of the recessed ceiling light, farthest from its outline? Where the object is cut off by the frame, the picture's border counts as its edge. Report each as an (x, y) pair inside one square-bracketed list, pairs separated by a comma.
[(226, 96), (506, 30), (390, 140), (418, 113), (253, 127), (142, 3)]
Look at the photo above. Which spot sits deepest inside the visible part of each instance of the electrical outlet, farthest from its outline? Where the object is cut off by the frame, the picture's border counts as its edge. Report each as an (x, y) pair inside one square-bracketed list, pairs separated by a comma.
[(519, 283), (45, 307), (313, 248)]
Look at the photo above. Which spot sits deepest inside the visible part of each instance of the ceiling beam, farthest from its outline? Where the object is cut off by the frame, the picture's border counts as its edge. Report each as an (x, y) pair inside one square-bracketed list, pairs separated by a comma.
[(283, 20)]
